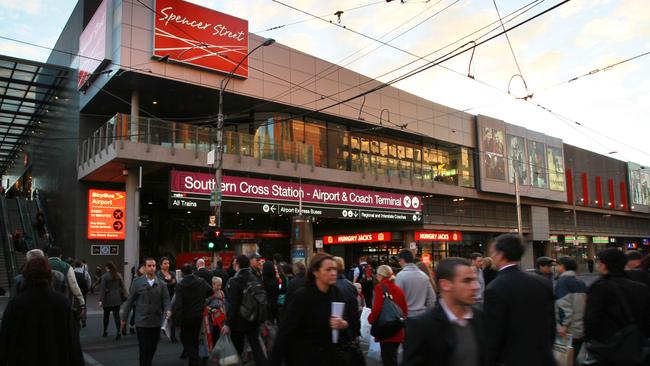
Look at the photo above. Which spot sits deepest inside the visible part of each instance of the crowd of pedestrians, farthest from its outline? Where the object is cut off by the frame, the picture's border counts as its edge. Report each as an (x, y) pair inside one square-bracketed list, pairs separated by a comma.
[(484, 310)]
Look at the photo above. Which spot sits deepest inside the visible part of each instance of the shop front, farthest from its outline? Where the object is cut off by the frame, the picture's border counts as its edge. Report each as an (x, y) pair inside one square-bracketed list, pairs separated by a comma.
[(378, 247)]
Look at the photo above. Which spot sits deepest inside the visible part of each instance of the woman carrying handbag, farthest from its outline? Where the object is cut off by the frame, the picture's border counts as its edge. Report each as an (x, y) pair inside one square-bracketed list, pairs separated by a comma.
[(387, 293), (112, 294)]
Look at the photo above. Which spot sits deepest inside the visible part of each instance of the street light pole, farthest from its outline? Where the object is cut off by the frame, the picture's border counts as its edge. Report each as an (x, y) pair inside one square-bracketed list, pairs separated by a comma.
[(517, 196), (218, 160)]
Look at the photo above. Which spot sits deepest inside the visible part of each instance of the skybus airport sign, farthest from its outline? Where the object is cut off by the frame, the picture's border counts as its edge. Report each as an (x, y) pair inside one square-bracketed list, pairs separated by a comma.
[(191, 191)]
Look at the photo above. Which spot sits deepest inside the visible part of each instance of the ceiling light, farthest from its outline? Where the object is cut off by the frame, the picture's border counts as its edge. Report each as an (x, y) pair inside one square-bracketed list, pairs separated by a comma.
[(189, 212), (150, 203), (155, 102)]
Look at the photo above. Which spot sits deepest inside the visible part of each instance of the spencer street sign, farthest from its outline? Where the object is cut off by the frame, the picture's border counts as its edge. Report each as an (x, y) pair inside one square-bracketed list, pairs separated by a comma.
[(199, 36), (191, 191)]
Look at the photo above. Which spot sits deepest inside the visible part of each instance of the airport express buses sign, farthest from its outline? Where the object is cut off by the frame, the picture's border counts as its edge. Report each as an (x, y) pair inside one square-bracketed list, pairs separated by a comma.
[(191, 191)]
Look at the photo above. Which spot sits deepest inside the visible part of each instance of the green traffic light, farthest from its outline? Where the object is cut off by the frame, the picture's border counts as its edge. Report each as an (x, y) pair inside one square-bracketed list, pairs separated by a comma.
[(210, 245)]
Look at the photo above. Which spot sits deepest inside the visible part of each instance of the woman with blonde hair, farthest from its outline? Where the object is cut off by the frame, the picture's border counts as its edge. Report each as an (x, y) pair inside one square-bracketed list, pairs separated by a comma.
[(387, 285)]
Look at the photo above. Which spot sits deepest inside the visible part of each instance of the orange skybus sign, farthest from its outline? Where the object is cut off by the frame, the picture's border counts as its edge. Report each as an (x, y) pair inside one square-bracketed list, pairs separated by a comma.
[(106, 214)]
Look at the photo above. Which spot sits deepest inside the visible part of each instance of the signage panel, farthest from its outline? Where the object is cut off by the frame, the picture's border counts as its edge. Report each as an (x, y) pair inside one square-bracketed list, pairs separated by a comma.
[(106, 214), (600, 240), (357, 238), (92, 46), (553, 238), (104, 250), (199, 36), (438, 236), (191, 190), (581, 239)]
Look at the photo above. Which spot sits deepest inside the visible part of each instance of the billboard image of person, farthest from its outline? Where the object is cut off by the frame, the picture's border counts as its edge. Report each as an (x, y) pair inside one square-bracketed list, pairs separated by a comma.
[(640, 182), (517, 159), (537, 161), (555, 159), (493, 158)]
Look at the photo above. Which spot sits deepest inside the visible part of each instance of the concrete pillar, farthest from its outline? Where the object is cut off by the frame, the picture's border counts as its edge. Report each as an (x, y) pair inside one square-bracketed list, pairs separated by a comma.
[(409, 237), (132, 235), (135, 115), (528, 259), (591, 251), (302, 239)]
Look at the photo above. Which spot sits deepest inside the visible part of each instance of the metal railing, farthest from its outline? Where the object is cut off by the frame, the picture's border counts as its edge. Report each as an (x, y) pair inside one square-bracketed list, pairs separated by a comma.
[(7, 245), (176, 135)]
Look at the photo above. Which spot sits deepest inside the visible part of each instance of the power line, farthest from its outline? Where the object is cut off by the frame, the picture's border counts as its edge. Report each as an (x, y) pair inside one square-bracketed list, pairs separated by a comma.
[(514, 56)]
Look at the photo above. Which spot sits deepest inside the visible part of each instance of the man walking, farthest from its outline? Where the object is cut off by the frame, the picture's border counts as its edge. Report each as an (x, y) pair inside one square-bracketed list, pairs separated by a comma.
[(150, 297), (256, 264), (519, 310), (633, 268), (544, 268), (415, 284), (477, 262), (203, 272), (457, 328), (54, 254), (570, 302), (187, 311), (240, 288)]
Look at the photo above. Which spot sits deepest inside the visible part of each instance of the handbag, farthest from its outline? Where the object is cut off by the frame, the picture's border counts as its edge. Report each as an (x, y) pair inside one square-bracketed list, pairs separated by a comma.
[(563, 352), (628, 346), (123, 293), (391, 318)]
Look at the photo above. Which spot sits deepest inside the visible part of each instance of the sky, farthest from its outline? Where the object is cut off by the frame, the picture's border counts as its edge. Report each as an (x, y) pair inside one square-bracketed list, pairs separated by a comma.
[(605, 112)]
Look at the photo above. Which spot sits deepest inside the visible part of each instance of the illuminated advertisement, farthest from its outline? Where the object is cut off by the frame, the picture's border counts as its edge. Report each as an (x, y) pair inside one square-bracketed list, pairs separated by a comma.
[(639, 180), (517, 159), (438, 236), (556, 175), (357, 238), (537, 162), (106, 214), (493, 154)]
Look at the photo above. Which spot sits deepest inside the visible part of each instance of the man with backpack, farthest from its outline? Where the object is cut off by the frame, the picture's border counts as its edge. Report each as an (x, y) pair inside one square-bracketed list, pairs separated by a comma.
[(364, 275), (247, 311), (79, 303)]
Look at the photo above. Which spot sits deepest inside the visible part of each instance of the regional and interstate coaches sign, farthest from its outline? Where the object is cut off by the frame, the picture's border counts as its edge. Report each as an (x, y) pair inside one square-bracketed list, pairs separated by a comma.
[(189, 33), (191, 191)]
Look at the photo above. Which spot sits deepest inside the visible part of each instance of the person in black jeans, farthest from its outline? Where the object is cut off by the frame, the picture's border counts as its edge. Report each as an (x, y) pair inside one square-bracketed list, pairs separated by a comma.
[(236, 326), (150, 297), (187, 310)]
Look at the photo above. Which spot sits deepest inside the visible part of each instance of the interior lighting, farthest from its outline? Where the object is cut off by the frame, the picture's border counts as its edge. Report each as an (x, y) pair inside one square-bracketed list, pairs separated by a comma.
[(155, 102), (189, 212), (150, 203)]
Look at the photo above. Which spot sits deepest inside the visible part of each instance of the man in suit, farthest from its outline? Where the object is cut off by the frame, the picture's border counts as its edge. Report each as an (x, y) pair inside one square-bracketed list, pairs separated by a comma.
[(452, 333), (203, 272), (519, 310)]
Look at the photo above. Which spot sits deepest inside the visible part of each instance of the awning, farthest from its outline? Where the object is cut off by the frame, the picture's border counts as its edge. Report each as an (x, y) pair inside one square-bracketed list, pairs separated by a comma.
[(27, 90)]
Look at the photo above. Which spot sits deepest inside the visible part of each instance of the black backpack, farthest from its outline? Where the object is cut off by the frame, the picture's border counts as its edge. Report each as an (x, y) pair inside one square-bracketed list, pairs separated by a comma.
[(254, 302), (81, 281), (391, 318)]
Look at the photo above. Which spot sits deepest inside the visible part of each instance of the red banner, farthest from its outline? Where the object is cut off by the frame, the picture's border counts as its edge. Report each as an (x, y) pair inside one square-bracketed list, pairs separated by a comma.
[(357, 238), (438, 236), (200, 36), (201, 183), (106, 214)]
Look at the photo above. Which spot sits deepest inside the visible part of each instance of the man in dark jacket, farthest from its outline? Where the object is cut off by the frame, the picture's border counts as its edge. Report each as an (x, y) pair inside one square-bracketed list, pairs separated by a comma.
[(519, 310), (236, 325), (605, 314), (187, 311), (453, 333), (349, 292), (203, 272), (633, 268), (544, 267), (298, 280), (150, 298)]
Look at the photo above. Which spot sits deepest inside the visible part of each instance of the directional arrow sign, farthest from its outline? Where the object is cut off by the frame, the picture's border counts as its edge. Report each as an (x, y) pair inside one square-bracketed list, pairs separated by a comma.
[(273, 208)]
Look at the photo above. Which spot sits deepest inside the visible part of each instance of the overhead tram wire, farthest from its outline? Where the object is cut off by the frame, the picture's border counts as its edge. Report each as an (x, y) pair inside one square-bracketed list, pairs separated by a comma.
[(324, 15)]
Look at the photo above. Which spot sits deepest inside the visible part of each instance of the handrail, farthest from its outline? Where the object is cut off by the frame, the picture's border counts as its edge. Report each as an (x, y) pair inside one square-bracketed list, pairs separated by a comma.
[(39, 208), (7, 246), (27, 224)]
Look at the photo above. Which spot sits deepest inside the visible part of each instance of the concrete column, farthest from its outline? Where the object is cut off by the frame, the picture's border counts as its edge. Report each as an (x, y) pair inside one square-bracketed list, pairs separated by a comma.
[(302, 239), (528, 259), (132, 235), (409, 237), (591, 250), (135, 115)]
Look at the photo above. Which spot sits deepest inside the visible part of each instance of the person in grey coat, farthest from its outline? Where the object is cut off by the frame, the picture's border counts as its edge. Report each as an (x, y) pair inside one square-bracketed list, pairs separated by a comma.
[(111, 293), (150, 297), (415, 284)]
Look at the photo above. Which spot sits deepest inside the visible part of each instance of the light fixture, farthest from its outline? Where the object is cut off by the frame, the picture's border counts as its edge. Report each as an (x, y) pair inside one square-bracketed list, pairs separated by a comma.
[(633, 207), (596, 202), (189, 212), (622, 205), (155, 102), (609, 204), (582, 200), (252, 219), (150, 203), (608, 215)]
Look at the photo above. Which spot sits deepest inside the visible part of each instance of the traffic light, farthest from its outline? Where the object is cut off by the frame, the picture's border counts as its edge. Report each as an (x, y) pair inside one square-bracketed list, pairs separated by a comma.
[(211, 245), (211, 238)]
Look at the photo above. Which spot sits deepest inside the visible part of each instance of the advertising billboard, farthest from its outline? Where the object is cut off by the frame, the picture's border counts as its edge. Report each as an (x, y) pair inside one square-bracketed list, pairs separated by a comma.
[(537, 163), (106, 214), (556, 175), (517, 159), (357, 238), (639, 184), (493, 153), (189, 33), (93, 44), (438, 236), (191, 191)]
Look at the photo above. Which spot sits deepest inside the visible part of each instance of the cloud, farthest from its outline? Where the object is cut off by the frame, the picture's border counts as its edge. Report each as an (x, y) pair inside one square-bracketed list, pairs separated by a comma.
[(23, 51), (32, 7)]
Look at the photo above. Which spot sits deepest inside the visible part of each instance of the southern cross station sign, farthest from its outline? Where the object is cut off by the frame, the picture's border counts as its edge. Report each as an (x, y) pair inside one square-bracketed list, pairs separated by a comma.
[(191, 191)]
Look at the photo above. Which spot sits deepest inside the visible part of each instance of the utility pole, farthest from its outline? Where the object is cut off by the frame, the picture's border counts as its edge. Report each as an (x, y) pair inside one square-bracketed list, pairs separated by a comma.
[(517, 196), (218, 159)]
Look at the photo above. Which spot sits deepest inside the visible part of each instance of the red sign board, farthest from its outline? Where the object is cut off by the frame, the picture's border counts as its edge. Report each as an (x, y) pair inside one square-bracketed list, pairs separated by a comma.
[(203, 37), (106, 214), (92, 45), (357, 238), (438, 236)]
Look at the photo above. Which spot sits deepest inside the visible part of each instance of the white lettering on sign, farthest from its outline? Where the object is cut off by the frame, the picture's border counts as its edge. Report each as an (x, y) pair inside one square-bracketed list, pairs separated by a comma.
[(219, 29), (434, 236)]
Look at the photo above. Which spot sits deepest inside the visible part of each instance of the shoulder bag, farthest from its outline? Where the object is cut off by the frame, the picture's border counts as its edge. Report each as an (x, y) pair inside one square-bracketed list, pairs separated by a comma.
[(628, 346), (391, 318)]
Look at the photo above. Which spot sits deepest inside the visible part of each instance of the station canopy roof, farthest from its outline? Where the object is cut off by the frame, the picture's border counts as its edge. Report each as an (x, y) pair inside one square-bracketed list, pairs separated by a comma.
[(27, 89)]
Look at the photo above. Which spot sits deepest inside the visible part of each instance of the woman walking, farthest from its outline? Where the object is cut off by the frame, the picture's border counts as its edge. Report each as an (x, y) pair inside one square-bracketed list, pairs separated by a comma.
[(390, 345), (112, 294), (305, 335)]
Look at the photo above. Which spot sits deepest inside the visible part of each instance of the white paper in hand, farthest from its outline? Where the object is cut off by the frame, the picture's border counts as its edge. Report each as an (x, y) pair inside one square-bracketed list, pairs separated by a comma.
[(167, 328), (337, 310)]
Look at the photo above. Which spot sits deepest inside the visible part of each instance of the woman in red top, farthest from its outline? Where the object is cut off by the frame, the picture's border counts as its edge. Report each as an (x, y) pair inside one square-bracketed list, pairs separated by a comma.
[(390, 345)]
